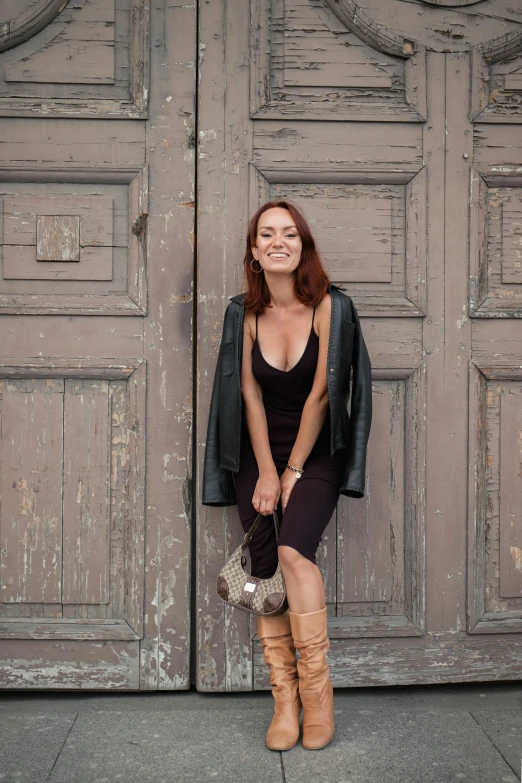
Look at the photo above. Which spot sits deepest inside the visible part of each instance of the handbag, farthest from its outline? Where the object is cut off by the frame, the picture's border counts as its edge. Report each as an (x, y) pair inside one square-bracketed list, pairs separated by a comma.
[(251, 593)]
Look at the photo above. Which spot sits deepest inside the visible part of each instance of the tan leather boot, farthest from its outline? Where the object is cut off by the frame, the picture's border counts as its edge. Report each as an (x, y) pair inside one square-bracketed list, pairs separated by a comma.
[(310, 633), (279, 652)]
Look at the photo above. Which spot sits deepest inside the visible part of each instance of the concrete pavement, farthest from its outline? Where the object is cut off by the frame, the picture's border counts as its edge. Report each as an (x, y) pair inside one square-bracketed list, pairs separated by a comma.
[(418, 734)]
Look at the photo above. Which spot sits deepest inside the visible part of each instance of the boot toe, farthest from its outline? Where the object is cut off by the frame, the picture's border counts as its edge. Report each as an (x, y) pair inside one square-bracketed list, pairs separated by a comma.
[(315, 737), (316, 743), (281, 740)]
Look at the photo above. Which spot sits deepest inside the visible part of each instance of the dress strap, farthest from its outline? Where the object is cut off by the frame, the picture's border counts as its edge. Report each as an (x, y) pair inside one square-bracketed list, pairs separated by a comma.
[(256, 326), (313, 315)]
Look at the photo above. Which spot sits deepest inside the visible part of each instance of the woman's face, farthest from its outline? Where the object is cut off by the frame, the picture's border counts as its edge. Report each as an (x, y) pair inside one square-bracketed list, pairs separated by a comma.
[(278, 244)]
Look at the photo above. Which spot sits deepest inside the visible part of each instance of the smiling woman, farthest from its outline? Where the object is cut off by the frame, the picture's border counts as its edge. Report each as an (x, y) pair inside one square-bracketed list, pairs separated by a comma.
[(286, 461), (285, 456)]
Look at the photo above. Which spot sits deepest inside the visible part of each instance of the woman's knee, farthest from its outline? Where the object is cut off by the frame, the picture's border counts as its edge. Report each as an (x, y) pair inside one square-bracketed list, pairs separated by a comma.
[(290, 558)]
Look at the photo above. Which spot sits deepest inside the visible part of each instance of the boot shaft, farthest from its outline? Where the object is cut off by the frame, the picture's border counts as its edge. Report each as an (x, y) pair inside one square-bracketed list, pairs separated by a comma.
[(275, 635), (306, 626), (310, 634), (273, 625)]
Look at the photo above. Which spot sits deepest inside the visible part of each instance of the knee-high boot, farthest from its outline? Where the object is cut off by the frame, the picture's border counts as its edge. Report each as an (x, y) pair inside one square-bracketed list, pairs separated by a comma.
[(279, 652), (310, 634)]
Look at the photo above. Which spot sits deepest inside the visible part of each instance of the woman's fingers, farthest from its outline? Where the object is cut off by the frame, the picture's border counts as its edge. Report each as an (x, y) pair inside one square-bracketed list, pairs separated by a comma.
[(264, 505), (266, 493), (261, 505)]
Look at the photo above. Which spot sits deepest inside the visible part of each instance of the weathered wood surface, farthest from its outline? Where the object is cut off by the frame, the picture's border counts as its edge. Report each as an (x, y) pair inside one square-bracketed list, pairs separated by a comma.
[(58, 367), (66, 628), (222, 647), (31, 557), (442, 29), (58, 141), (374, 126), (104, 44), (69, 665), (422, 577), (62, 345), (21, 19), (509, 519), (110, 202), (430, 660), (21, 224), (169, 349), (86, 499), (448, 346), (348, 211), (72, 519), (306, 63), (86, 43), (58, 238), (79, 618)]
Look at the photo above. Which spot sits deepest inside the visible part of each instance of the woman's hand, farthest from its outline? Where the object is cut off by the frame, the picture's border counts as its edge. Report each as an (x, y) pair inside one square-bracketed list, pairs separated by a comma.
[(287, 483), (267, 492)]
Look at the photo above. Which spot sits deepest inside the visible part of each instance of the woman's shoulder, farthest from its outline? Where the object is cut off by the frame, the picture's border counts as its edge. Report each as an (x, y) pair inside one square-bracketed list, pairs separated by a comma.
[(325, 305), (334, 293), (249, 325)]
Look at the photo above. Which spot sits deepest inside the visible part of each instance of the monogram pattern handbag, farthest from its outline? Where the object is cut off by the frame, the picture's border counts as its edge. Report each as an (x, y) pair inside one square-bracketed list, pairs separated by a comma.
[(250, 593)]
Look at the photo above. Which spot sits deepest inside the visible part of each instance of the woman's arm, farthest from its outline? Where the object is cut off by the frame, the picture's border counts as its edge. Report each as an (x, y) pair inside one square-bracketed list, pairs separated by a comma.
[(267, 491), (316, 405)]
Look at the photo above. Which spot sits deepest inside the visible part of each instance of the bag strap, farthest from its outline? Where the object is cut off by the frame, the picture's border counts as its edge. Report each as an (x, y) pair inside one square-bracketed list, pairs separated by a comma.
[(254, 526)]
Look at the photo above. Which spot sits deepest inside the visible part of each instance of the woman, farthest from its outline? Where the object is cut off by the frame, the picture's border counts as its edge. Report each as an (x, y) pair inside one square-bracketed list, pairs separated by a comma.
[(286, 461)]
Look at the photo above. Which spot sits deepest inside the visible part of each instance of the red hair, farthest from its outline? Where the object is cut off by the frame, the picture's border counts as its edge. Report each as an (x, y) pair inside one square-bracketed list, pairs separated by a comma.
[(310, 278)]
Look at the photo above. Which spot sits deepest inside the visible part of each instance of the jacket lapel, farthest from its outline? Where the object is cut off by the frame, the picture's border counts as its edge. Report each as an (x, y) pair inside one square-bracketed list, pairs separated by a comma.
[(238, 298)]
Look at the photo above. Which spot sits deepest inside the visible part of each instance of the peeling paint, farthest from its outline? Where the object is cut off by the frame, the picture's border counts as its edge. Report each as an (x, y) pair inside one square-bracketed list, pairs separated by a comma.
[(516, 554)]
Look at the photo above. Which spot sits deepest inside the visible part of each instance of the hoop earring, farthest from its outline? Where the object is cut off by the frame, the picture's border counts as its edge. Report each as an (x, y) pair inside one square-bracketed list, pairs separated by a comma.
[(257, 271)]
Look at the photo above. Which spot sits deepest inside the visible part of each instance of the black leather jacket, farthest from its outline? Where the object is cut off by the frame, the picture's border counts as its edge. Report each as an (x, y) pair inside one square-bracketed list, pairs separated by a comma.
[(350, 432)]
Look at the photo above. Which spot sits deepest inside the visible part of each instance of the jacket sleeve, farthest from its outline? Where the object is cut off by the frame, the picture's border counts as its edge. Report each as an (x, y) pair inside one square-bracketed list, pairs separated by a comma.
[(360, 413), (218, 483)]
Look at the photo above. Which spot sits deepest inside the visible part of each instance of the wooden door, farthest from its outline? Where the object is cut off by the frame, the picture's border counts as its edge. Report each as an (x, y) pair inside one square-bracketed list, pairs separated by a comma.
[(397, 129), (97, 172)]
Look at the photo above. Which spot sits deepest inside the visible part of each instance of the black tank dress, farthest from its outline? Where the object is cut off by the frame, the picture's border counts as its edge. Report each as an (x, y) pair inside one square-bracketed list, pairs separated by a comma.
[(315, 495)]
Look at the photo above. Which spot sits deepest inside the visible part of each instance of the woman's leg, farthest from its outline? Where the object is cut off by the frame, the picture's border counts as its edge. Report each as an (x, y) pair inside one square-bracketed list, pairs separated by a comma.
[(310, 507), (304, 582)]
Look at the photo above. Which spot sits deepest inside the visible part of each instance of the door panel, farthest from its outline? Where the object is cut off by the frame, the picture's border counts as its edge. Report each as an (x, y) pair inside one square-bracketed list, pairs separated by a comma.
[(95, 293), (69, 59), (70, 232), (393, 143)]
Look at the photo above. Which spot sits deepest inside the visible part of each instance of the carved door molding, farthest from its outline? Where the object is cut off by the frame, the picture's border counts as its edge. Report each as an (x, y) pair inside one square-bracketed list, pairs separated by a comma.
[(44, 45), (22, 20)]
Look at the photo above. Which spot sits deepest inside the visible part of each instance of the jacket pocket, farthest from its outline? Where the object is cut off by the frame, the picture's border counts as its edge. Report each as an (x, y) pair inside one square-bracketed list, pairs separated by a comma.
[(227, 358), (347, 339)]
